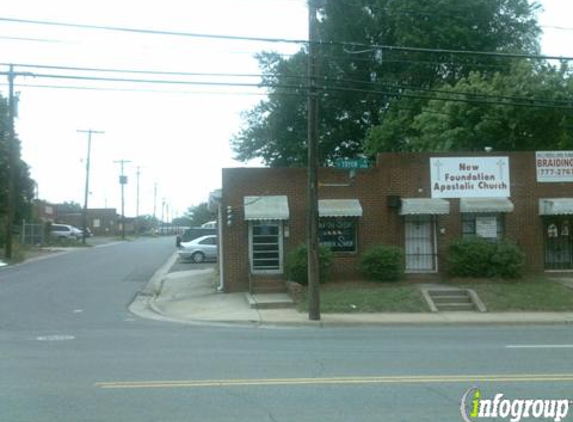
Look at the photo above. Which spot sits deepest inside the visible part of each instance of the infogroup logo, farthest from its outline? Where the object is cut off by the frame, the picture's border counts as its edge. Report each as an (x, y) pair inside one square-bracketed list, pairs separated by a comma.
[(474, 407)]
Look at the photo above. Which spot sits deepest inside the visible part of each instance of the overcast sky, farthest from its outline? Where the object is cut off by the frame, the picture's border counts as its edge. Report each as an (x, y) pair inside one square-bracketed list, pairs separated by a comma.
[(178, 137)]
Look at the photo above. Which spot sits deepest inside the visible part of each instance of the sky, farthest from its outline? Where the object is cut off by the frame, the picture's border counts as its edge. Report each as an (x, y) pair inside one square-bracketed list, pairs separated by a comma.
[(176, 137)]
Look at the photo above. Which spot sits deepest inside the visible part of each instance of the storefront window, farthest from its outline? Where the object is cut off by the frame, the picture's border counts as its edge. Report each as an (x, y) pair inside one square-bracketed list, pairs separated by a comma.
[(338, 233), (489, 226)]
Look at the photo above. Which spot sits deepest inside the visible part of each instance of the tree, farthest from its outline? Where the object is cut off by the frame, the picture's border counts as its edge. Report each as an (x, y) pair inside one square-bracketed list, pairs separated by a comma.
[(359, 82), (200, 214), (504, 112), (68, 207), (23, 184)]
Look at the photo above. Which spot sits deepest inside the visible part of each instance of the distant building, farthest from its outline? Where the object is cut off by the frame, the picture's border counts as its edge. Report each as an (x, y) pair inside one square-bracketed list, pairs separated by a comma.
[(101, 221), (45, 211)]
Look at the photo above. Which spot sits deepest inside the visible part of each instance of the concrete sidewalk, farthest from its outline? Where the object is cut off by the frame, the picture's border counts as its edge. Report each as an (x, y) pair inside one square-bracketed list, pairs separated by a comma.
[(191, 297)]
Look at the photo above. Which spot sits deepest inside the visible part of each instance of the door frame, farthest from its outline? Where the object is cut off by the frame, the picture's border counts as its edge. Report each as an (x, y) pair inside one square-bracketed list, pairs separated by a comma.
[(279, 224), (424, 218)]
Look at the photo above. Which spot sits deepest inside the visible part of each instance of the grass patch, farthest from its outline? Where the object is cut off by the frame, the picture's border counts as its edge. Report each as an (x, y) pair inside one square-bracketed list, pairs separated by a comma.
[(365, 299), (537, 294)]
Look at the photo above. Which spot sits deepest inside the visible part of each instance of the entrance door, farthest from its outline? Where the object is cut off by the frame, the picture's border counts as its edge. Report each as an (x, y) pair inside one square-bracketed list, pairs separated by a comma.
[(558, 243), (266, 247), (420, 244)]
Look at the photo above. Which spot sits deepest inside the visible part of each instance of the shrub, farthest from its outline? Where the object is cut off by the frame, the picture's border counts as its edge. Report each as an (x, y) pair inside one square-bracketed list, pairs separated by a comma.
[(382, 263), (508, 260), (477, 257), (470, 258), (296, 267)]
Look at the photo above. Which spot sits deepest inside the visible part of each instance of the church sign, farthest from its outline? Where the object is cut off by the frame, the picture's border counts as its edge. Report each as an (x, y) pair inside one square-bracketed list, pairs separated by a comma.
[(469, 177)]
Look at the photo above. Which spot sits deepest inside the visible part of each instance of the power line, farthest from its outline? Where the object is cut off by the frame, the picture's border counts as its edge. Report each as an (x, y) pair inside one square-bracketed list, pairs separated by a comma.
[(292, 41), (527, 102), (152, 31)]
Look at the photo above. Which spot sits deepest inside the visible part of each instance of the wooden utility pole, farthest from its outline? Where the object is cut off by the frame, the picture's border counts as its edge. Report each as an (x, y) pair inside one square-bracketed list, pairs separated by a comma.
[(12, 165), (87, 189), (312, 144), (122, 182)]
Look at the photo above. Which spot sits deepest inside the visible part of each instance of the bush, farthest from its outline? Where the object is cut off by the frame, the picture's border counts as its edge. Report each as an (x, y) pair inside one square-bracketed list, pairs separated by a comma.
[(296, 267), (382, 263), (477, 257)]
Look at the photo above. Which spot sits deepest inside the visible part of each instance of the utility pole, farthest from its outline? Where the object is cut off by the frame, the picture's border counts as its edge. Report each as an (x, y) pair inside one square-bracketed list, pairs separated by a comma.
[(87, 190), (137, 203), (154, 201), (312, 145), (12, 164), (122, 182)]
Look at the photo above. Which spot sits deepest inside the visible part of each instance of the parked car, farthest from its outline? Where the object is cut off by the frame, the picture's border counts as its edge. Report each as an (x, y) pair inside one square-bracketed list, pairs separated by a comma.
[(65, 231), (201, 249), (209, 225), (193, 233)]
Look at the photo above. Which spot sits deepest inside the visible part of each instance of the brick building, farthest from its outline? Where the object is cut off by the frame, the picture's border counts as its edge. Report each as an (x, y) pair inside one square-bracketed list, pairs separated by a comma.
[(418, 201)]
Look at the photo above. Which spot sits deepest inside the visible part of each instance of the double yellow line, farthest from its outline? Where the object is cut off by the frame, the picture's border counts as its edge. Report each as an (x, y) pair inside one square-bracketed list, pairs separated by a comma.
[(419, 379)]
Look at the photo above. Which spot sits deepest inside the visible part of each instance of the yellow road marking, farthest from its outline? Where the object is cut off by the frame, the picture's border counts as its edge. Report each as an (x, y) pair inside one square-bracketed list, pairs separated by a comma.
[(419, 379)]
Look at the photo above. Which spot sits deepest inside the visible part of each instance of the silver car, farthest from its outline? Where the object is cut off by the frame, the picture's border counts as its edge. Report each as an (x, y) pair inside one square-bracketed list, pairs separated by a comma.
[(65, 231), (201, 249)]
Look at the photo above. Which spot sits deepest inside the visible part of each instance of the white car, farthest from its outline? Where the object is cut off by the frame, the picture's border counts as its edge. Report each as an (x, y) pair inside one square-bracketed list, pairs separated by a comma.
[(65, 231), (209, 225), (201, 249)]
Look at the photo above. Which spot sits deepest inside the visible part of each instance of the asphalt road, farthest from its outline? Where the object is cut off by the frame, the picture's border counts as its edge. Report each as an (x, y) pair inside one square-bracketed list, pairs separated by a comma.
[(70, 351)]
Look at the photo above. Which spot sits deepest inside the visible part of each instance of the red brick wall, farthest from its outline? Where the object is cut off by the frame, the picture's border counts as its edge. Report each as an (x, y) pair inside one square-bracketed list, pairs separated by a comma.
[(404, 175)]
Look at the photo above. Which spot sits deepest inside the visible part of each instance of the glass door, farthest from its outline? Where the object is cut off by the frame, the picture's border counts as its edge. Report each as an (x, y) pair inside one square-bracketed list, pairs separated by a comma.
[(266, 247)]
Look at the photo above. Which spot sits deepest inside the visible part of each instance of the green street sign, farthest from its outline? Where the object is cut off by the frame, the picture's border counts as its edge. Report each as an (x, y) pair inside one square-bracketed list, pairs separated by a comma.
[(352, 163)]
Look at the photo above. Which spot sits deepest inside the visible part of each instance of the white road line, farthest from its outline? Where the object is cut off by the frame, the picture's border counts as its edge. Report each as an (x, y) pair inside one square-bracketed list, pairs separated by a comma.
[(539, 346)]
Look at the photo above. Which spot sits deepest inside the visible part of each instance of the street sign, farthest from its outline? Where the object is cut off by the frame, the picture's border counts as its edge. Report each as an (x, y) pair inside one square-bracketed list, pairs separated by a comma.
[(352, 163), (123, 180)]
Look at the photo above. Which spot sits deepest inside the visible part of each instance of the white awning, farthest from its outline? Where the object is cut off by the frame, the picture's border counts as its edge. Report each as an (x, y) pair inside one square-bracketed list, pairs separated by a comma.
[(556, 206), (424, 206), (339, 208), (479, 205), (266, 207)]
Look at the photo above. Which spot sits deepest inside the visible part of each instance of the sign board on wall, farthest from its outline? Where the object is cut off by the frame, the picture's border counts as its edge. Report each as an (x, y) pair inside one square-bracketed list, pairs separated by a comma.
[(486, 226), (554, 166), (469, 177)]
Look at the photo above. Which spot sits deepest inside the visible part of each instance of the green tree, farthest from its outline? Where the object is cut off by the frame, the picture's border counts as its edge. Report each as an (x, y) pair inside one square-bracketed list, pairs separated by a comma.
[(359, 84), (200, 214), (23, 184), (503, 111)]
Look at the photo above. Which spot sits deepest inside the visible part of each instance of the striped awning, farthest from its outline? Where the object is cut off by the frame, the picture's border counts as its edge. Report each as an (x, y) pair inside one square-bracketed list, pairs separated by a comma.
[(424, 206), (481, 205), (556, 206), (339, 208), (266, 207)]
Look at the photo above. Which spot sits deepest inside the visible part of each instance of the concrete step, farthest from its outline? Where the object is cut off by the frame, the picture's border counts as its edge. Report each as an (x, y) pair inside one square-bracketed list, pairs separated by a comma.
[(451, 300), (447, 292), (456, 307), (269, 300)]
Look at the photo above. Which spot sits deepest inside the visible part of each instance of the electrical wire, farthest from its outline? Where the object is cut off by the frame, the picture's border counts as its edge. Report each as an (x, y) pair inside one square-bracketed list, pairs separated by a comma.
[(292, 41)]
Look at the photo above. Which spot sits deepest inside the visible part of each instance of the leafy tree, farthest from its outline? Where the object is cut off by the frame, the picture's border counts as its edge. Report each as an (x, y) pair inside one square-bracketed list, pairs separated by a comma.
[(200, 214), (23, 184), (479, 111), (357, 83), (68, 207)]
